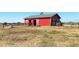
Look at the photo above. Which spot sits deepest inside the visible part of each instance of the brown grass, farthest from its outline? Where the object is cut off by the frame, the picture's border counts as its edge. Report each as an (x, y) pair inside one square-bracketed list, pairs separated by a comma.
[(46, 36)]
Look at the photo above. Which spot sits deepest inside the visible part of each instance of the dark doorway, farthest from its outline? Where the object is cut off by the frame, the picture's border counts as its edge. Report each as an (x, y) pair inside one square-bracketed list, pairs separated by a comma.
[(34, 22), (51, 22), (30, 23)]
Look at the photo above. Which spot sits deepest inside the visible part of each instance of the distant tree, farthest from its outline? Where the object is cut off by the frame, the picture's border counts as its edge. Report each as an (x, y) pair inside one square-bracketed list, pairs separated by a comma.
[(4, 24), (78, 24), (41, 13), (18, 23)]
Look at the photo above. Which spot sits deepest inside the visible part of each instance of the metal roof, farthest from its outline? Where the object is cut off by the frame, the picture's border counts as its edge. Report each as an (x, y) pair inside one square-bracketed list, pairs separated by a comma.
[(40, 16)]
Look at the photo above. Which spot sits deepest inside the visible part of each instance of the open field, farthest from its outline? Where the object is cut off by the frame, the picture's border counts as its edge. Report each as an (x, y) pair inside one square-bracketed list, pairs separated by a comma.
[(47, 36)]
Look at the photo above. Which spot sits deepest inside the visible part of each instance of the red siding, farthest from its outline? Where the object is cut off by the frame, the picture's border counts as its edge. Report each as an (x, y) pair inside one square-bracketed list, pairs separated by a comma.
[(32, 22), (25, 22), (45, 22), (42, 21)]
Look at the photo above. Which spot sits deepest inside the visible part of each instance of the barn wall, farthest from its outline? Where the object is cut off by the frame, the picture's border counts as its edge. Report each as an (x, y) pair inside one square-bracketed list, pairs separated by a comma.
[(37, 22), (32, 21), (57, 17), (45, 22), (26, 22)]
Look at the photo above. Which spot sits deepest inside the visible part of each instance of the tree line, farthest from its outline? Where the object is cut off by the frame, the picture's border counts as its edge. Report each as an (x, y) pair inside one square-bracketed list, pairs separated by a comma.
[(71, 23), (11, 24)]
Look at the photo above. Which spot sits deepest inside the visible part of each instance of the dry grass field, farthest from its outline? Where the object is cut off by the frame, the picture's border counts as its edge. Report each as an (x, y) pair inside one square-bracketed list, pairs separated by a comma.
[(48, 36)]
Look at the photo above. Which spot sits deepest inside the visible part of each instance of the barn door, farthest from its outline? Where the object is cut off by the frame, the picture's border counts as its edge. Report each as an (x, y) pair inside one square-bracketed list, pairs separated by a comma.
[(35, 22), (51, 22), (29, 23)]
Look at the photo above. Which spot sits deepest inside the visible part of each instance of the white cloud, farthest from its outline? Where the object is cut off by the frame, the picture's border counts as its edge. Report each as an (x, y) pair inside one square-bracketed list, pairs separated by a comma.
[(39, 5)]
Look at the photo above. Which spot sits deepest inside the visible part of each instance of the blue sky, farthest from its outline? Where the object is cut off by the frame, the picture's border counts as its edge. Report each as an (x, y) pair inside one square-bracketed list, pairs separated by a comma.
[(19, 16)]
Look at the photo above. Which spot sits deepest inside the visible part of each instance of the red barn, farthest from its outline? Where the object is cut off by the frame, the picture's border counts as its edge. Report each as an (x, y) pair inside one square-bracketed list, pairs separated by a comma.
[(43, 20)]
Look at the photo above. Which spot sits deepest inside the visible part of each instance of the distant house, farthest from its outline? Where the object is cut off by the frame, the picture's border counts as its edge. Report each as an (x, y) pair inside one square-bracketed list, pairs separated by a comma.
[(43, 20)]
